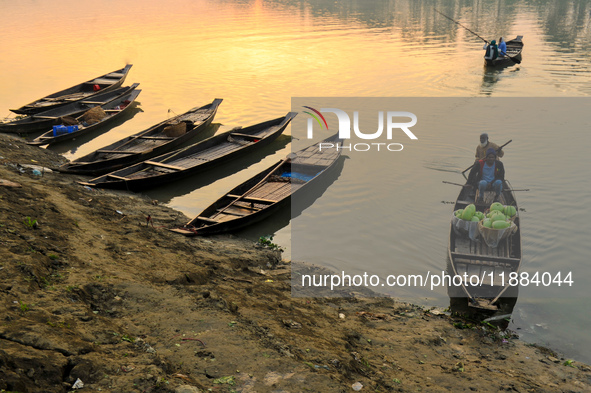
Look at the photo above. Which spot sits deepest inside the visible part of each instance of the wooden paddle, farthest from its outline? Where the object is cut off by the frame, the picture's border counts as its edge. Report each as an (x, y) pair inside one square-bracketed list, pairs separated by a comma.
[(469, 185), (456, 184)]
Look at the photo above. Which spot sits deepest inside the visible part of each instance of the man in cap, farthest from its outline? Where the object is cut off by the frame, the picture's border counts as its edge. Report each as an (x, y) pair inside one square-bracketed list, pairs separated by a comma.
[(488, 173), (484, 145)]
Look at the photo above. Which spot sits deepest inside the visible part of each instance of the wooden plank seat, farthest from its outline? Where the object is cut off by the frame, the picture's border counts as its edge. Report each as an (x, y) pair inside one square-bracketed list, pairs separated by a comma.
[(251, 199), (208, 219), (248, 136), (45, 117), (117, 177), (482, 257), (163, 165), (92, 102), (164, 138), (117, 151), (104, 81), (114, 75), (233, 213)]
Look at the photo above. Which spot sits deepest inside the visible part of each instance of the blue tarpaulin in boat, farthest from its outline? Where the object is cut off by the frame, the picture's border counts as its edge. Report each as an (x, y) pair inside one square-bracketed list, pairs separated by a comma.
[(296, 175)]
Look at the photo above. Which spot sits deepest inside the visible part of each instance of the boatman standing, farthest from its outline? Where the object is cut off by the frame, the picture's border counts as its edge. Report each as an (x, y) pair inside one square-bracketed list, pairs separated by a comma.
[(484, 145)]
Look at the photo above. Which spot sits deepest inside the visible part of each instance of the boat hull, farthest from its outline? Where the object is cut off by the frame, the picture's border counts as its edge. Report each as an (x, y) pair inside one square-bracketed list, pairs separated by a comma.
[(264, 194), (198, 158), (85, 90), (43, 121), (485, 270), (145, 144), (128, 99), (514, 50)]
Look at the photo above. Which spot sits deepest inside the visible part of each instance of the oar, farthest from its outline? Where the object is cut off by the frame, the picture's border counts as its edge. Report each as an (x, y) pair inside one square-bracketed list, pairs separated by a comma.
[(513, 59), (456, 184), (468, 185), (461, 25), (470, 167)]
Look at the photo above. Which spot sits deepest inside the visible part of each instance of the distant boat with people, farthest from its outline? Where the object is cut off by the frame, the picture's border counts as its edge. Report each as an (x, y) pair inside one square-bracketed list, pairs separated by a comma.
[(512, 55)]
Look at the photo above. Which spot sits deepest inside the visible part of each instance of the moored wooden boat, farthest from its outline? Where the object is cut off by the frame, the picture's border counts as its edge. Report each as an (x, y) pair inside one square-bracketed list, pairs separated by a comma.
[(84, 90), (42, 121), (513, 56), (265, 193), (90, 120), (195, 158), (493, 266), (156, 140)]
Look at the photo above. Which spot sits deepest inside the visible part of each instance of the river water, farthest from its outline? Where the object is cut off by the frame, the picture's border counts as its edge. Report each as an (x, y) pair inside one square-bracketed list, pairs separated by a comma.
[(257, 55)]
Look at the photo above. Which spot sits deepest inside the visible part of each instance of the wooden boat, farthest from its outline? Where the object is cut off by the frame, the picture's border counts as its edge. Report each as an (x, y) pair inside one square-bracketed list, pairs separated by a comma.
[(195, 158), (154, 141), (514, 49), (44, 120), (265, 193), (90, 120), (84, 90), (476, 258)]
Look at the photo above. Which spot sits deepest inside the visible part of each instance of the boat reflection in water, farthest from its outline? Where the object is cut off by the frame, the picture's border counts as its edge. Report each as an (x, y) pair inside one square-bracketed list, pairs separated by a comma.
[(485, 262)]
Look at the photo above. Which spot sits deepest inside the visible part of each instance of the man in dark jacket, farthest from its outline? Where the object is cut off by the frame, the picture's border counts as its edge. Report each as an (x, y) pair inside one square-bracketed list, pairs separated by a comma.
[(488, 172), (492, 51)]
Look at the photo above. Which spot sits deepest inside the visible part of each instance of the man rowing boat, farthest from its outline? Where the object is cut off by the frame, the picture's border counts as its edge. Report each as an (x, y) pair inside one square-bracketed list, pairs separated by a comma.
[(484, 145)]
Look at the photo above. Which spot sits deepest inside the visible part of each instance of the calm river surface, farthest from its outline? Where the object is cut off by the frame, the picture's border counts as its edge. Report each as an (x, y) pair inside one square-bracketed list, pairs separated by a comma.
[(257, 55)]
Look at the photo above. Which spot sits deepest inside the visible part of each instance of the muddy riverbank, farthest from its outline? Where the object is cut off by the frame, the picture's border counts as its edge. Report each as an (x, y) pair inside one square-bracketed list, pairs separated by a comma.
[(90, 291)]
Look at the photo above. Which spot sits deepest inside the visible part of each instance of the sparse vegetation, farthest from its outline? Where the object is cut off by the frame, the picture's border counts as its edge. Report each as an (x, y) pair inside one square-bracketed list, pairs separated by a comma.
[(30, 223), (24, 307), (267, 242)]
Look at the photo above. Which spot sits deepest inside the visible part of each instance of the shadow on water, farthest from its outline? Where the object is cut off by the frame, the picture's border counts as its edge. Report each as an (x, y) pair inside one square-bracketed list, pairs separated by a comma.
[(167, 192), (302, 201), (72, 145)]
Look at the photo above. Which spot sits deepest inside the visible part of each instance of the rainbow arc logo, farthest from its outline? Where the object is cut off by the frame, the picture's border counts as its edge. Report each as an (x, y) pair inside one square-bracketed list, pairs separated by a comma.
[(316, 117)]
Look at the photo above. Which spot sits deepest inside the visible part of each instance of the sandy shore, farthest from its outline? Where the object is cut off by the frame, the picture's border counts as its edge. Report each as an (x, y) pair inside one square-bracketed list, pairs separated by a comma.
[(89, 291)]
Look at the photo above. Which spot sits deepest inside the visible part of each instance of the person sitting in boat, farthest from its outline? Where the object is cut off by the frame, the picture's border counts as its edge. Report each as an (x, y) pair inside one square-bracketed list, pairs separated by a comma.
[(502, 47), (484, 145), (488, 173), (492, 51)]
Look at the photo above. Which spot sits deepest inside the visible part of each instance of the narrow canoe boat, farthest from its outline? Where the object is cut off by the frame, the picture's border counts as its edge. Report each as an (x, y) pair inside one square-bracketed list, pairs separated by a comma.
[(266, 192), (195, 158), (89, 121), (471, 255), (154, 141), (42, 121), (514, 49), (84, 90)]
